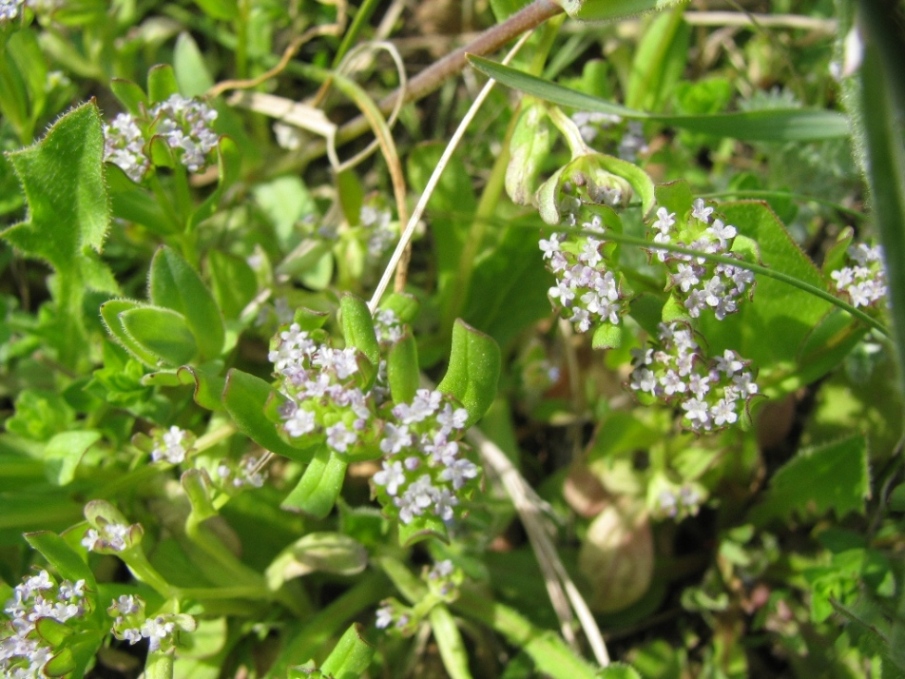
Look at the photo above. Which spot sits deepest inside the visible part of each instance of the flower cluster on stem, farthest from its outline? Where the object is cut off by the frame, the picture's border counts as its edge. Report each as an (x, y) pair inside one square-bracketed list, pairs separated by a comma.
[(711, 393), (697, 282), (425, 469), (23, 651), (183, 123), (132, 625), (171, 445), (864, 283), (588, 292)]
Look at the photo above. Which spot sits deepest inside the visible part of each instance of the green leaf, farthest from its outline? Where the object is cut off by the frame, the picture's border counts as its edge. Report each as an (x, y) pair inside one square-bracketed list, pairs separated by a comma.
[(322, 552), (23, 83), (833, 476), (508, 290), (474, 370), (53, 631), (245, 398), (130, 95), (233, 282), (358, 327), (64, 452), (161, 83), (67, 563), (403, 372), (529, 146), (60, 665), (350, 657), (174, 284), (320, 485), (191, 71), (111, 314), (607, 336), (765, 125), (449, 641), (68, 215), (881, 104), (659, 61), (162, 332), (208, 384), (225, 10)]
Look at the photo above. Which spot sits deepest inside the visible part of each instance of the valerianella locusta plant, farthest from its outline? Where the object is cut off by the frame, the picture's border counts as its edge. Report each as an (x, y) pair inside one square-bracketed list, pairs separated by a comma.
[(712, 393), (588, 291), (132, 625), (124, 146), (864, 283), (23, 649), (186, 125), (425, 472), (698, 283), (183, 123)]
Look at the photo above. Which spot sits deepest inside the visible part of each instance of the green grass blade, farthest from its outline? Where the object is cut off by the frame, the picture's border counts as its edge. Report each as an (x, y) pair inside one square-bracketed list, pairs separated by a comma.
[(780, 125)]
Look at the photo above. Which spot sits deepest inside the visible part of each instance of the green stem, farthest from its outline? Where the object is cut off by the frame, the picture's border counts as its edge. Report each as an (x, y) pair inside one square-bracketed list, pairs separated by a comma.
[(755, 268), (142, 569), (241, 28)]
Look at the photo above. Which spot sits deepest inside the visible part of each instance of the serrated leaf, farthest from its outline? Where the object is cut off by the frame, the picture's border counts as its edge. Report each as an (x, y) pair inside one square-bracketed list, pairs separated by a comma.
[(765, 125), (245, 398), (473, 372), (833, 477), (174, 284), (162, 332), (62, 177)]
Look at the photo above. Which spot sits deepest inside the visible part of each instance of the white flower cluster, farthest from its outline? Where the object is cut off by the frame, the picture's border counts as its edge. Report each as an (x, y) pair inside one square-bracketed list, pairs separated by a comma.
[(685, 501), (248, 472), (393, 614), (588, 293), (171, 445), (9, 9), (424, 471), (124, 146), (320, 384), (113, 537), (184, 123), (712, 393), (864, 283), (377, 223), (23, 651), (131, 624), (699, 283), (388, 327)]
